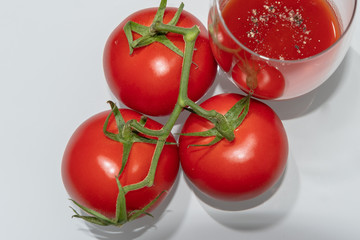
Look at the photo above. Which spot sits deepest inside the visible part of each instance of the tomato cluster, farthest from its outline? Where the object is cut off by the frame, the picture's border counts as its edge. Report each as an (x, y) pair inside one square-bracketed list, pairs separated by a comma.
[(118, 164)]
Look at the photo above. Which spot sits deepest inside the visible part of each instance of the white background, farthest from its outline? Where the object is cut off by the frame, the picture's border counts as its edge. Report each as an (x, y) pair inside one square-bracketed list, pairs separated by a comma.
[(51, 79)]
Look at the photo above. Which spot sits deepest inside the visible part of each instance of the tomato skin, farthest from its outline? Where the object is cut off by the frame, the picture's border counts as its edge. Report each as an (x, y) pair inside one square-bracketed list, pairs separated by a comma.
[(148, 80), (222, 45), (270, 81), (91, 161), (241, 169)]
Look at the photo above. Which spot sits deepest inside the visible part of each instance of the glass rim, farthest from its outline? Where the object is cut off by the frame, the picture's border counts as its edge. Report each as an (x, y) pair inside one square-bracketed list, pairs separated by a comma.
[(343, 34)]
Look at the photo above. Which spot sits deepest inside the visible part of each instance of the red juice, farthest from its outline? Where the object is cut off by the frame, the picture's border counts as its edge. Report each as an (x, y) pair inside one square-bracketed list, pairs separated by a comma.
[(283, 29)]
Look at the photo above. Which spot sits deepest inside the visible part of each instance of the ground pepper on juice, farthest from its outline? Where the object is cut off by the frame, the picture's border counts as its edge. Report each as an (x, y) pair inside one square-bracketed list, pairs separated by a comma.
[(283, 29)]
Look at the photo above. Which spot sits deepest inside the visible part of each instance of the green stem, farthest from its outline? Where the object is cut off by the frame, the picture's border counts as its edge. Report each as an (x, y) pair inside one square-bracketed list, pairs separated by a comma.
[(185, 75), (219, 120), (140, 128), (158, 26), (149, 179), (190, 36), (125, 129)]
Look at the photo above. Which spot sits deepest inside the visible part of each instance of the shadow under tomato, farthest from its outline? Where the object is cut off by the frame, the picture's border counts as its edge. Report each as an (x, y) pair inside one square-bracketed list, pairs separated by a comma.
[(261, 212), (138, 227), (298, 106), (307, 103)]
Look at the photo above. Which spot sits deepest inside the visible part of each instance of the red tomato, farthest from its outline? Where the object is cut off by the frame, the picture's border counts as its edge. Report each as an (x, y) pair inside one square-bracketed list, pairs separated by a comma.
[(270, 81), (241, 169), (148, 80), (222, 46), (91, 161)]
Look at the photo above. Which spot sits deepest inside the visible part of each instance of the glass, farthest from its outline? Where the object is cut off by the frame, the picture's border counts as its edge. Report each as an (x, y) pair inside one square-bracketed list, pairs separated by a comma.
[(294, 77)]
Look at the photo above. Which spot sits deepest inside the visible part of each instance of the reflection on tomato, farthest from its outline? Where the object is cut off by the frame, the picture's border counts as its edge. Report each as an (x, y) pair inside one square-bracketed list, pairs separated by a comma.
[(268, 82), (222, 45)]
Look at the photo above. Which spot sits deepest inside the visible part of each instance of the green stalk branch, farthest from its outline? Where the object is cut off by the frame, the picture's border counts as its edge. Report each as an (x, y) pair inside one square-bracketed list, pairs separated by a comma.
[(190, 36), (149, 179), (128, 131)]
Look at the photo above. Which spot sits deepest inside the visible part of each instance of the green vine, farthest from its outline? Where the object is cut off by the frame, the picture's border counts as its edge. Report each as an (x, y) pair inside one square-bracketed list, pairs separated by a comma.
[(128, 132)]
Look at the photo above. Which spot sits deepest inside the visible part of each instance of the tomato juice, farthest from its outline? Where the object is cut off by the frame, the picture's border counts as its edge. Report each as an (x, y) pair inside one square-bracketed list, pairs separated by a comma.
[(283, 29)]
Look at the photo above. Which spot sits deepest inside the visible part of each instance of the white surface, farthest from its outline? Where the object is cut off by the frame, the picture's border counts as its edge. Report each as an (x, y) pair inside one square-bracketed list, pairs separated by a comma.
[(51, 80)]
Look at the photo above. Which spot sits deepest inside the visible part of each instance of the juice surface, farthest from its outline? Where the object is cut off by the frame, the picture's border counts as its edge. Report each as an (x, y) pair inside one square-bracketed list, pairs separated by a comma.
[(283, 29)]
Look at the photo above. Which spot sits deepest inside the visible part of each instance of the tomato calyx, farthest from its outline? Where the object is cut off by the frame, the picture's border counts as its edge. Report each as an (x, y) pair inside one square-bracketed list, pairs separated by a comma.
[(152, 34), (234, 118), (125, 134), (259, 77), (121, 215)]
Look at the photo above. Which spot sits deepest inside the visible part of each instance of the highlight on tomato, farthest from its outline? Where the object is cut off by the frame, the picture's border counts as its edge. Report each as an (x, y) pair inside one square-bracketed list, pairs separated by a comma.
[(240, 169), (92, 162), (258, 77), (147, 79)]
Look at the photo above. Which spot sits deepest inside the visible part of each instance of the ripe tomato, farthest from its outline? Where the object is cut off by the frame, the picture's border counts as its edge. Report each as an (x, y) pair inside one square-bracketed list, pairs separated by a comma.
[(148, 80), (91, 162), (222, 45), (270, 81), (241, 169)]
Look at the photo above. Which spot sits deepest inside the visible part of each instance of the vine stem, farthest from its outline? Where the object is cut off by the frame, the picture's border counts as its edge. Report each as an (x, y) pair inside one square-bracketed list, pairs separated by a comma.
[(125, 129), (190, 36), (221, 124)]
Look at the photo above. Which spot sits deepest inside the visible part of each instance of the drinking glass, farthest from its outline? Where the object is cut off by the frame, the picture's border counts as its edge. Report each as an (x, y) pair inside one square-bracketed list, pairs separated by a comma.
[(298, 76)]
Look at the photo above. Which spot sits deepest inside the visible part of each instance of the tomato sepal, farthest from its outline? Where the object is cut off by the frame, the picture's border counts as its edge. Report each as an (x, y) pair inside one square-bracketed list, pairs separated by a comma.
[(126, 134), (137, 213), (234, 117), (121, 215), (96, 218), (150, 34)]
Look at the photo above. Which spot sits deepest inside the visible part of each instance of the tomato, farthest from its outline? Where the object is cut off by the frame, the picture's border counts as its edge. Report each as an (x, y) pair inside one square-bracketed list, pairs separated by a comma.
[(222, 46), (148, 80), (225, 49), (270, 81), (91, 162), (243, 168)]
